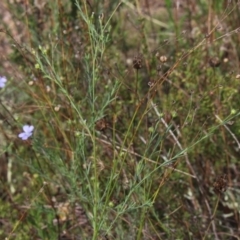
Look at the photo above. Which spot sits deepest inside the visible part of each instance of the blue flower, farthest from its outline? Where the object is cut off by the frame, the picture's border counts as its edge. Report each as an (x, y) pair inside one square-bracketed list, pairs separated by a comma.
[(27, 132), (3, 81)]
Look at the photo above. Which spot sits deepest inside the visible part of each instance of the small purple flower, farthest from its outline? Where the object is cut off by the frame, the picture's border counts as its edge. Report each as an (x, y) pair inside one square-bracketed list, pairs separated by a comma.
[(27, 132), (3, 81)]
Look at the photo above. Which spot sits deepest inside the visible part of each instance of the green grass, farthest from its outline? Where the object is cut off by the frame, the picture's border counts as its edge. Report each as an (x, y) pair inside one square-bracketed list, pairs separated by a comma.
[(135, 115)]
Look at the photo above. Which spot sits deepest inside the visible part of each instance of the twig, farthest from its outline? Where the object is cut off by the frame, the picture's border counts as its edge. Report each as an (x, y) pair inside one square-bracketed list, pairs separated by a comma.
[(227, 128)]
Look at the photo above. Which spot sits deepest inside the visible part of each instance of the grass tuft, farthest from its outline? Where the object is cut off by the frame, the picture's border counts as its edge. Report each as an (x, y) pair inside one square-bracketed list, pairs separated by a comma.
[(129, 120)]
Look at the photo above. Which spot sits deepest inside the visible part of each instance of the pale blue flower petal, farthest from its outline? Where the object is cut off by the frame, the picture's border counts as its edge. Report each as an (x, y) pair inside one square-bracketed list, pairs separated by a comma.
[(23, 136), (28, 128), (3, 81), (27, 132)]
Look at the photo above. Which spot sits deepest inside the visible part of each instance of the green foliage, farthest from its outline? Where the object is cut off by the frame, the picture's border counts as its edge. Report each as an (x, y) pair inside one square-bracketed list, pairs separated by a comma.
[(135, 114)]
